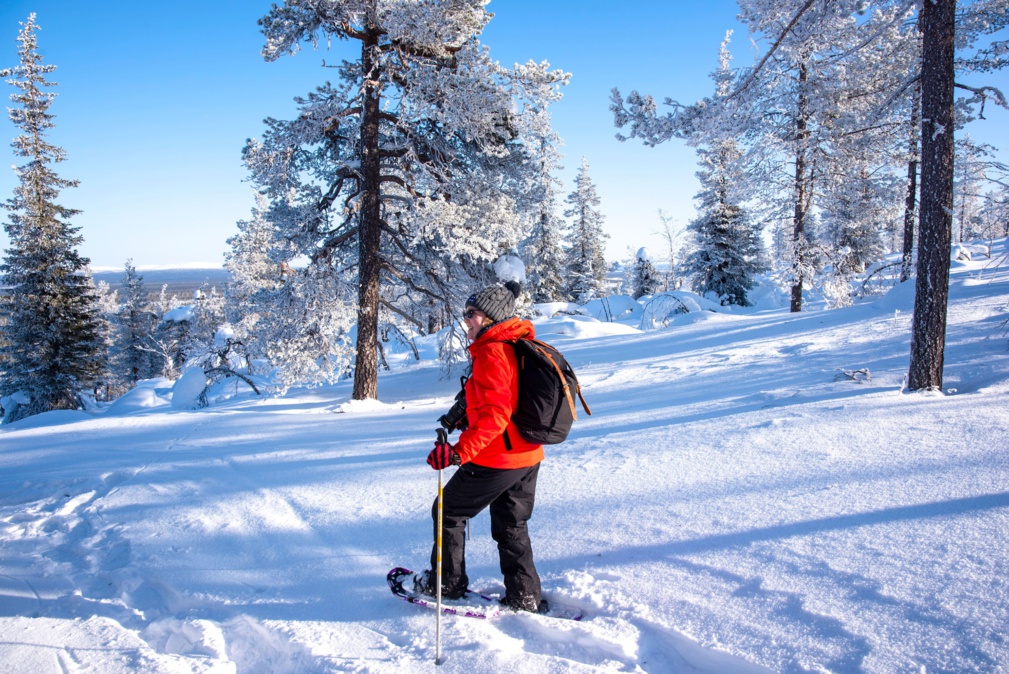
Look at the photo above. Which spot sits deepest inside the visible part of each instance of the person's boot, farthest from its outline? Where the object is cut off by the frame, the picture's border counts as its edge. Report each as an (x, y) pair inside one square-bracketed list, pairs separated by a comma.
[(424, 583)]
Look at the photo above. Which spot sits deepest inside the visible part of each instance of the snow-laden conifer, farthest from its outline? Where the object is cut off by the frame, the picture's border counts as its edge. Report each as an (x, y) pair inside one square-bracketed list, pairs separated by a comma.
[(253, 276), (134, 356), (543, 251), (645, 278), (729, 251), (52, 343), (586, 265)]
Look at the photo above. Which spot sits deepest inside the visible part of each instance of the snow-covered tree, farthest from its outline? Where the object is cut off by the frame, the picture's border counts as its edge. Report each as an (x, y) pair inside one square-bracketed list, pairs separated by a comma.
[(970, 168), (646, 279), (399, 183), (795, 113), (185, 334), (859, 214), (134, 356), (670, 234), (729, 251), (586, 265), (53, 337), (543, 250), (253, 276)]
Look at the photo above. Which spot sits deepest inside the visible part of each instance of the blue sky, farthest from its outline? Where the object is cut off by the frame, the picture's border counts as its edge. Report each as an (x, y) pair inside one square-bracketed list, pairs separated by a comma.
[(156, 101)]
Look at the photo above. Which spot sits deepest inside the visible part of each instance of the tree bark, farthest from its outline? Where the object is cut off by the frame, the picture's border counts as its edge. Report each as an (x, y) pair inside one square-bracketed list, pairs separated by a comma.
[(907, 258), (928, 338), (801, 198), (369, 230)]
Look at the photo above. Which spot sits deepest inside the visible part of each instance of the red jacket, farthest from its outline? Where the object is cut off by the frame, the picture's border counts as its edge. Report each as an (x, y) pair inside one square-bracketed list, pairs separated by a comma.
[(492, 392)]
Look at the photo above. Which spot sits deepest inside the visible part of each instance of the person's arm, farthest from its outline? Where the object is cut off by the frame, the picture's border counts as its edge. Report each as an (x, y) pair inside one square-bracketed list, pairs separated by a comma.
[(493, 381)]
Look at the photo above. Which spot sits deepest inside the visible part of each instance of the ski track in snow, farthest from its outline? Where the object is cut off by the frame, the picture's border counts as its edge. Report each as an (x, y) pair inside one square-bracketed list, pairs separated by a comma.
[(735, 504)]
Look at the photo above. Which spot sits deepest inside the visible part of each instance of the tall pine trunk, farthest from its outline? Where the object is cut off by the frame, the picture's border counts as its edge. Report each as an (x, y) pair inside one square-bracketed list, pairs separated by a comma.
[(907, 258), (931, 290), (801, 197), (369, 228)]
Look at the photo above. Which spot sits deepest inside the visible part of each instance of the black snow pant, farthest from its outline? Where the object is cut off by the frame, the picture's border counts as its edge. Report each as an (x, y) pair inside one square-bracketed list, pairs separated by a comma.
[(511, 494)]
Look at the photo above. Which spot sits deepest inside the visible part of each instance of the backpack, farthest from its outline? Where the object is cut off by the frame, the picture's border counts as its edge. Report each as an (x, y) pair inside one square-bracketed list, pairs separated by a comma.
[(547, 384)]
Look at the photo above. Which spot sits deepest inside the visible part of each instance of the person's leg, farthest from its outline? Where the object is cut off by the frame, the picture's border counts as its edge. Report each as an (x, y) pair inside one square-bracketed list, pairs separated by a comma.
[(469, 491), (509, 514)]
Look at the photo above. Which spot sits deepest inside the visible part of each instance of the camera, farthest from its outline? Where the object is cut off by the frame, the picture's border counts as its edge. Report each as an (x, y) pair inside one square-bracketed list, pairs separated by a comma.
[(455, 418)]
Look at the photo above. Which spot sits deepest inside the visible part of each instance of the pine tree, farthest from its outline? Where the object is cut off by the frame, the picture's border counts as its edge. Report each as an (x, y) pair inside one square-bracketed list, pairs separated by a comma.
[(586, 261), (400, 182), (931, 291), (729, 251), (52, 345)]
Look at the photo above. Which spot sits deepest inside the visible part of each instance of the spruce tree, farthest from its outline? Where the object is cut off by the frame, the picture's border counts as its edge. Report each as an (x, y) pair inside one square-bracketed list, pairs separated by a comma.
[(586, 261), (52, 342), (134, 358), (546, 259), (729, 249), (646, 278)]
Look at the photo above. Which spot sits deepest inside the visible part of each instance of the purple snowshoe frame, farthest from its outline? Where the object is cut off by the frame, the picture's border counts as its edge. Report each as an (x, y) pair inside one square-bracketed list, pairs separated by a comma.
[(399, 574)]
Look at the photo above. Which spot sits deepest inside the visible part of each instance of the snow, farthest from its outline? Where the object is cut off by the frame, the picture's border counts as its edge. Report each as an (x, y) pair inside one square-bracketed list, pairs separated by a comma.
[(187, 389), (510, 268), (730, 506), (180, 314)]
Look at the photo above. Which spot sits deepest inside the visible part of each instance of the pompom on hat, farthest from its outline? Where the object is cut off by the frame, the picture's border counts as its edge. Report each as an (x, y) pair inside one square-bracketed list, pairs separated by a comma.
[(497, 302)]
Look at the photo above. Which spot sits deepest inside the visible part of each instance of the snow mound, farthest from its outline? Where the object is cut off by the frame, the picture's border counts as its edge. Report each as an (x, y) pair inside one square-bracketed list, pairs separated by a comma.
[(187, 390), (135, 400), (580, 327), (613, 308), (898, 298), (363, 406), (549, 309), (54, 418)]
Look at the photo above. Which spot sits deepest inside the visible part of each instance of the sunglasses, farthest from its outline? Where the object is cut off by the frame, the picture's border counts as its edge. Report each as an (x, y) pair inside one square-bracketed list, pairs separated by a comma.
[(469, 313)]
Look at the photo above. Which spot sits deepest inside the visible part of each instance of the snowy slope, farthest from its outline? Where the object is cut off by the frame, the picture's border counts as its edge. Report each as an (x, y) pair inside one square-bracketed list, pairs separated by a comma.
[(735, 504)]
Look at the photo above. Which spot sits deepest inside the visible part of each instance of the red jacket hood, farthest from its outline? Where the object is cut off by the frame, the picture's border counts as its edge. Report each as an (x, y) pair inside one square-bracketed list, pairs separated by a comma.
[(507, 330)]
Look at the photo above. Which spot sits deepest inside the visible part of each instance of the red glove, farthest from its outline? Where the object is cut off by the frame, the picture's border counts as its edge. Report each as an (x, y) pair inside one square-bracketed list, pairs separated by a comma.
[(442, 456)]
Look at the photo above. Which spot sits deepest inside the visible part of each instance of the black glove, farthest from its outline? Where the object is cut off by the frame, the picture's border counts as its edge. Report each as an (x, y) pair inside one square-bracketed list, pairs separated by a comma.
[(442, 456)]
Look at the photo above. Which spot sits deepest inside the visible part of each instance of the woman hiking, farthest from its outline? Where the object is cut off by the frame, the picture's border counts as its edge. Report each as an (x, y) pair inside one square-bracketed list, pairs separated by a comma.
[(497, 467)]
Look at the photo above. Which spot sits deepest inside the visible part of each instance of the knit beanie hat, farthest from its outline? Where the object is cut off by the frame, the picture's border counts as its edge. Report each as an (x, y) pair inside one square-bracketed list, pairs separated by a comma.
[(498, 302)]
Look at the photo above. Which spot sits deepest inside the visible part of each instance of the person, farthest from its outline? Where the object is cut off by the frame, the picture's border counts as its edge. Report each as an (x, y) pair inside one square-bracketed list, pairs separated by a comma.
[(497, 466)]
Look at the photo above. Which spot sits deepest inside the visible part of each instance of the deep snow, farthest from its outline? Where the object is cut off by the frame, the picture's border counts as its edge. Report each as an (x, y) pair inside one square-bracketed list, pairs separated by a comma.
[(736, 503)]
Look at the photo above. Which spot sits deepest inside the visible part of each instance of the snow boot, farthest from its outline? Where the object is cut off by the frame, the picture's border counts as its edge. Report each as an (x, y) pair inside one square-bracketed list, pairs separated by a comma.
[(423, 583), (527, 603)]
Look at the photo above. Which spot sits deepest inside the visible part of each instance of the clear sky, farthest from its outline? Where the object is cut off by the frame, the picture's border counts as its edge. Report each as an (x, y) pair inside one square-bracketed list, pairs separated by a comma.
[(157, 99)]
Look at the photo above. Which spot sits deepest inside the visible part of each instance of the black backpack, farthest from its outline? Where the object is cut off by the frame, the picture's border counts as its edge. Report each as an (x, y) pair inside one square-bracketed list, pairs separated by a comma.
[(547, 386)]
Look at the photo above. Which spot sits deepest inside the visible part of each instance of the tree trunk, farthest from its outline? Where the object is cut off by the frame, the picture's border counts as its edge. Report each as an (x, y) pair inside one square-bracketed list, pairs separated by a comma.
[(369, 229), (907, 259), (799, 218), (931, 290)]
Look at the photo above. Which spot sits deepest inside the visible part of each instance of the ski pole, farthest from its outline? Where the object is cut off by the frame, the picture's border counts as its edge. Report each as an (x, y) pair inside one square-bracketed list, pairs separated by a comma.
[(442, 439)]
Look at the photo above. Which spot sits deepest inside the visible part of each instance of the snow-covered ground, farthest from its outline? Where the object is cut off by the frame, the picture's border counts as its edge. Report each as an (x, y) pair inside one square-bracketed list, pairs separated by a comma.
[(736, 503)]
